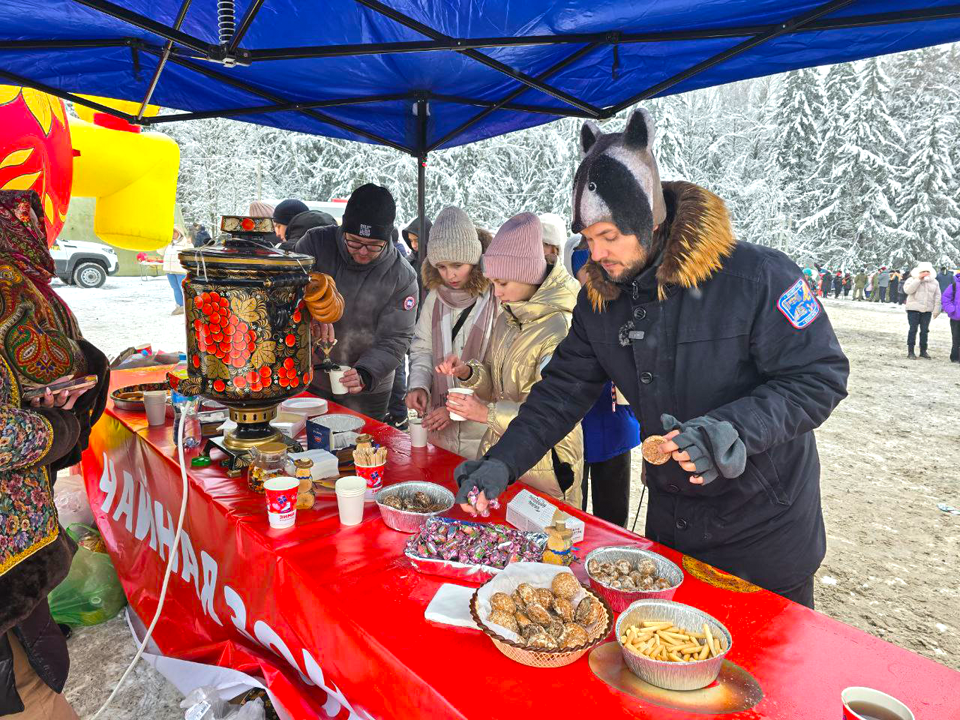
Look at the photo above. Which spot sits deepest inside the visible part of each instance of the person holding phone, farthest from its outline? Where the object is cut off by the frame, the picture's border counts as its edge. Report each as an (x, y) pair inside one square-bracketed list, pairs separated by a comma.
[(923, 304), (48, 404)]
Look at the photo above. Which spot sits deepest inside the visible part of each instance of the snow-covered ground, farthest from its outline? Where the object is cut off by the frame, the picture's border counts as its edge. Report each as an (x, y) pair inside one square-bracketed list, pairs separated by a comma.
[(890, 453)]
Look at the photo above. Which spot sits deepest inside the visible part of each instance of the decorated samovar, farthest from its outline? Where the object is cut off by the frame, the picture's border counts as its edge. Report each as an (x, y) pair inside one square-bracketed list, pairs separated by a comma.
[(248, 308)]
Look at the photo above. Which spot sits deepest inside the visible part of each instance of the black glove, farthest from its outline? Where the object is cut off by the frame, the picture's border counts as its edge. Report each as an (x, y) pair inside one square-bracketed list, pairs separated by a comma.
[(714, 446), (490, 476)]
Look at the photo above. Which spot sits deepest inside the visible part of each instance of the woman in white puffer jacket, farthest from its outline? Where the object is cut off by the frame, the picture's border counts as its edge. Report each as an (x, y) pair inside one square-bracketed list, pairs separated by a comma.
[(923, 304)]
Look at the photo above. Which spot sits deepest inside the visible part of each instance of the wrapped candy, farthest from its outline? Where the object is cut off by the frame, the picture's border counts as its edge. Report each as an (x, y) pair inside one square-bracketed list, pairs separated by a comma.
[(472, 497), (470, 551)]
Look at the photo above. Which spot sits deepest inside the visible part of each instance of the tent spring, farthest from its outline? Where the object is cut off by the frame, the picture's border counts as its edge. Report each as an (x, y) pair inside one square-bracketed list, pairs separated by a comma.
[(226, 20)]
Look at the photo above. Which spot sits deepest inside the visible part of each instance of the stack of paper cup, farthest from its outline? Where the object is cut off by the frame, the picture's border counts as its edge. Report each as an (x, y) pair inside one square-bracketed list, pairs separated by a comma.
[(462, 391), (336, 381), (418, 435), (350, 492), (155, 403), (281, 495)]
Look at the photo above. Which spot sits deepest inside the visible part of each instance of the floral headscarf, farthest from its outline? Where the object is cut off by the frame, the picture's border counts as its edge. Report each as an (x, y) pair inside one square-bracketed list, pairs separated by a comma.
[(23, 236)]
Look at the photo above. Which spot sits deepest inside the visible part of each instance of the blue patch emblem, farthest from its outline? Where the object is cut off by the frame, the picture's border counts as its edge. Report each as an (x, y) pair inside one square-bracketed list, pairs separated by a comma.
[(409, 302), (799, 306)]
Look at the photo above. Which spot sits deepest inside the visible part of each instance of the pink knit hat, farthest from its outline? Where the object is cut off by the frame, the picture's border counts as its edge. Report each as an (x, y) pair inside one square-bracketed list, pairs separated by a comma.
[(516, 252)]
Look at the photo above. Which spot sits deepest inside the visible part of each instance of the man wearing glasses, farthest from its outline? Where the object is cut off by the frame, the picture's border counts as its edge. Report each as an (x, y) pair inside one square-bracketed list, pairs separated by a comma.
[(379, 290)]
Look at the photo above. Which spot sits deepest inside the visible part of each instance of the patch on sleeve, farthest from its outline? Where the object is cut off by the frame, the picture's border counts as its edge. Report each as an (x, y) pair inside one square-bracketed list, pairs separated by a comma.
[(409, 302), (799, 306)]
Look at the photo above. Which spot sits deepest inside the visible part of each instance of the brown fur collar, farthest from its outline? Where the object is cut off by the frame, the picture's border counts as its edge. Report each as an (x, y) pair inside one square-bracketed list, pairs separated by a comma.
[(696, 236), (29, 582), (476, 283)]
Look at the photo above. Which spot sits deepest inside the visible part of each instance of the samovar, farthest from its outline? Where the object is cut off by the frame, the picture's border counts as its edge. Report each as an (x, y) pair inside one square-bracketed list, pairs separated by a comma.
[(248, 328)]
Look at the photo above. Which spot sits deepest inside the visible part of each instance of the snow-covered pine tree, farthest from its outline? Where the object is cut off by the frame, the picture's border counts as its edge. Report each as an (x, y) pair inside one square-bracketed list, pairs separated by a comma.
[(931, 214)]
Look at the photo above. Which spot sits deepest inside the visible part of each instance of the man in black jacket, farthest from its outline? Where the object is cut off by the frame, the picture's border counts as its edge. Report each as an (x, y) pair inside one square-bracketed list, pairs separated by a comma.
[(379, 291), (716, 343)]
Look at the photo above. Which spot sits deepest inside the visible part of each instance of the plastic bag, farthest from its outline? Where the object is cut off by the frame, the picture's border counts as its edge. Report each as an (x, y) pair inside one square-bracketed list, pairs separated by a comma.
[(204, 703), (91, 593), (71, 500)]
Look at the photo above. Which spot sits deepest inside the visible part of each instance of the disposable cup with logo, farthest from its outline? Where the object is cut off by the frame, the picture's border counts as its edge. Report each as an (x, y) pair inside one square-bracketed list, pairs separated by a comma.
[(350, 491), (336, 380), (863, 703), (462, 391), (281, 495)]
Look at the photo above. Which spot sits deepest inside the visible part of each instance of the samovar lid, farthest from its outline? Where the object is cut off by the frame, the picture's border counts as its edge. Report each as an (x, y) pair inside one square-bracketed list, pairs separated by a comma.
[(245, 248)]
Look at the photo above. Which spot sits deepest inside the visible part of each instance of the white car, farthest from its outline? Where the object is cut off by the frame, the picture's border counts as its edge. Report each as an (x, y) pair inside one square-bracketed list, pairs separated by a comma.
[(86, 264)]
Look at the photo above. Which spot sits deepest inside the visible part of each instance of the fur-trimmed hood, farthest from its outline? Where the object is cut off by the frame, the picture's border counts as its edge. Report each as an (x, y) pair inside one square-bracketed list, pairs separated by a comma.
[(476, 282), (695, 238)]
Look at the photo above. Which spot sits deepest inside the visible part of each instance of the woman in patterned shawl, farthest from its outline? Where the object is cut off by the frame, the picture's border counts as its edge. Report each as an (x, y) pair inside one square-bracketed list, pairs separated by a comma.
[(39, 344)]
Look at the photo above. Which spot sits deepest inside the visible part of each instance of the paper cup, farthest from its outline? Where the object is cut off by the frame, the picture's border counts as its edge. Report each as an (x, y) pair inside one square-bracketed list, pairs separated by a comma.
[(281, 495), (336, 381), (350, 491), (155, 403), (373, 475), (869, 696), (462, 391), (418, 435)]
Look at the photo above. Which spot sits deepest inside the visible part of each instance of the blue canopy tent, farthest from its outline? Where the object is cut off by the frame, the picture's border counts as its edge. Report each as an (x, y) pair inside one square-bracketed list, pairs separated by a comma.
[(420, 75)]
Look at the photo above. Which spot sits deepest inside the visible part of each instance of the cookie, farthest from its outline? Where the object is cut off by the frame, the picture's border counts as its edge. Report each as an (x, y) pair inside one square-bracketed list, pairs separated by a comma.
[(650, 449)]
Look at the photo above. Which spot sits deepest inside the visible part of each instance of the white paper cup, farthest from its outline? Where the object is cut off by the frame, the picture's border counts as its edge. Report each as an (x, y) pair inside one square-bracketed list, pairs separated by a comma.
[(418, 434), (462, 391), (350, 496), (281, 494), (336, 381), (155, 403), (874, 697)]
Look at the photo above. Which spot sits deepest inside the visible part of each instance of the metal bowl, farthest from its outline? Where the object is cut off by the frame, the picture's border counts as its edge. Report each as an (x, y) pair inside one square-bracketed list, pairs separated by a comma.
[(672, 675), (131, 396), (621, 599), (407, 521)]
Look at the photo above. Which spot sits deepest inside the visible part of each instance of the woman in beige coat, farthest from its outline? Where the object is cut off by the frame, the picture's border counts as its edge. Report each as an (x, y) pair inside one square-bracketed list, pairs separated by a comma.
[(923, 304), (537, 304), (456, 318)]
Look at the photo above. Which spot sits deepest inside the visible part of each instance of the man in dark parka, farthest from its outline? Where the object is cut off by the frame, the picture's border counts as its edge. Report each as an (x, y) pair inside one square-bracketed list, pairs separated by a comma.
[(717, 344)]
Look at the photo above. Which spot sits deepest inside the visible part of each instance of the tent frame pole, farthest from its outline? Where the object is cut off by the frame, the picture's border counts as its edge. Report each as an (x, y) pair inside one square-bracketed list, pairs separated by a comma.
[(534, 83), (64, 95), (284, 107), (422, 110), (184, 6), (157, 28), (771, 34), (244, 26)]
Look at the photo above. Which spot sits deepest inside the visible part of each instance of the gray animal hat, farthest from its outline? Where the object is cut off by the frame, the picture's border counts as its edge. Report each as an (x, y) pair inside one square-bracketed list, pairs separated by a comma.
[(618, 180)]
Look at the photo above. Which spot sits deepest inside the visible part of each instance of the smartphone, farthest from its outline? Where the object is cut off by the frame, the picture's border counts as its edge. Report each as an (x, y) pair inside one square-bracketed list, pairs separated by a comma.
[(86, 381)]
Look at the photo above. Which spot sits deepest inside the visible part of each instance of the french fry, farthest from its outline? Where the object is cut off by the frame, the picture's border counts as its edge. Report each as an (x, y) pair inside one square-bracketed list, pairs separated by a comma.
[(661, 640)]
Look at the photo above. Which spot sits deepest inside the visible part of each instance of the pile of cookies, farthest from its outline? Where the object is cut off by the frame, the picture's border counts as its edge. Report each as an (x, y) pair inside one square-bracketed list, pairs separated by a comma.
[(548, 619), (624, 575)]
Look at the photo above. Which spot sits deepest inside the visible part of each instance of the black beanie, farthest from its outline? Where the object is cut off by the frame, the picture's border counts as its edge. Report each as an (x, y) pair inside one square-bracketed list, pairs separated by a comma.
[(287, 210), (370, 213)]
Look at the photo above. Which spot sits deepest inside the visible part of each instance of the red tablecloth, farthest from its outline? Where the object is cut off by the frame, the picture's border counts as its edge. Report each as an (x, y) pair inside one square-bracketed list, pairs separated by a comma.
[(343, 607)]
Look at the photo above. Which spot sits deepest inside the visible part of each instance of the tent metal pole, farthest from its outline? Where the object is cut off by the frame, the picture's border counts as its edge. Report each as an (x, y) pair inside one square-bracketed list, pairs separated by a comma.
[(152, 26), (423, 239), (267, 95), (66, 44), (534, 109), (63, 94), (184, 6), (776, 31), (534, 83), (286, 107), (586, 49), (244, 26)]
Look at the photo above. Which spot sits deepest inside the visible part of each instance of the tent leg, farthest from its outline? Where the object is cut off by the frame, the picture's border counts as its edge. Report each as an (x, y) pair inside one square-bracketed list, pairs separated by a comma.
[(422, 203)]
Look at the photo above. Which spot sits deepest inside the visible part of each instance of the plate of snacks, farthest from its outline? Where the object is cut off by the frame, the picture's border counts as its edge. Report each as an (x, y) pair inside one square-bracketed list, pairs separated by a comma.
[(672, 645), (406, 506), (469, 551), (131, 396), (540, 615), (623, 574)]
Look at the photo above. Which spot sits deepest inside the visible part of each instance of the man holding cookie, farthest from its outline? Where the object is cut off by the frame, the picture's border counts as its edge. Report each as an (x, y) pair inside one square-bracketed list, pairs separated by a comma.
[(718, 345)]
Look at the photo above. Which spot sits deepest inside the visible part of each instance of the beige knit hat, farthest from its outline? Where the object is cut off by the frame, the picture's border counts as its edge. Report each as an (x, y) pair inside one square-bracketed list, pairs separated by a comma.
[(516, 252), (554, 230), (453, 239)]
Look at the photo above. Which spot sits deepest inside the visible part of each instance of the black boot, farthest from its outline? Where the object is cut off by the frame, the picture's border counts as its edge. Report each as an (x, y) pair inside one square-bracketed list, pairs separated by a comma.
[(923, 354), (910, 354)]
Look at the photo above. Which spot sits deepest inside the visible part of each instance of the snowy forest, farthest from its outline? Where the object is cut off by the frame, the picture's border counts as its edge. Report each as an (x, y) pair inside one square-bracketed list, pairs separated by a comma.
[(848, 166)]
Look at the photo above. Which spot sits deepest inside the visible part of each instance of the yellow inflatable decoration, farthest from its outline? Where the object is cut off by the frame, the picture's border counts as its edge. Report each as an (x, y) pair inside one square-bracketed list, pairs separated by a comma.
[(132, 175)]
